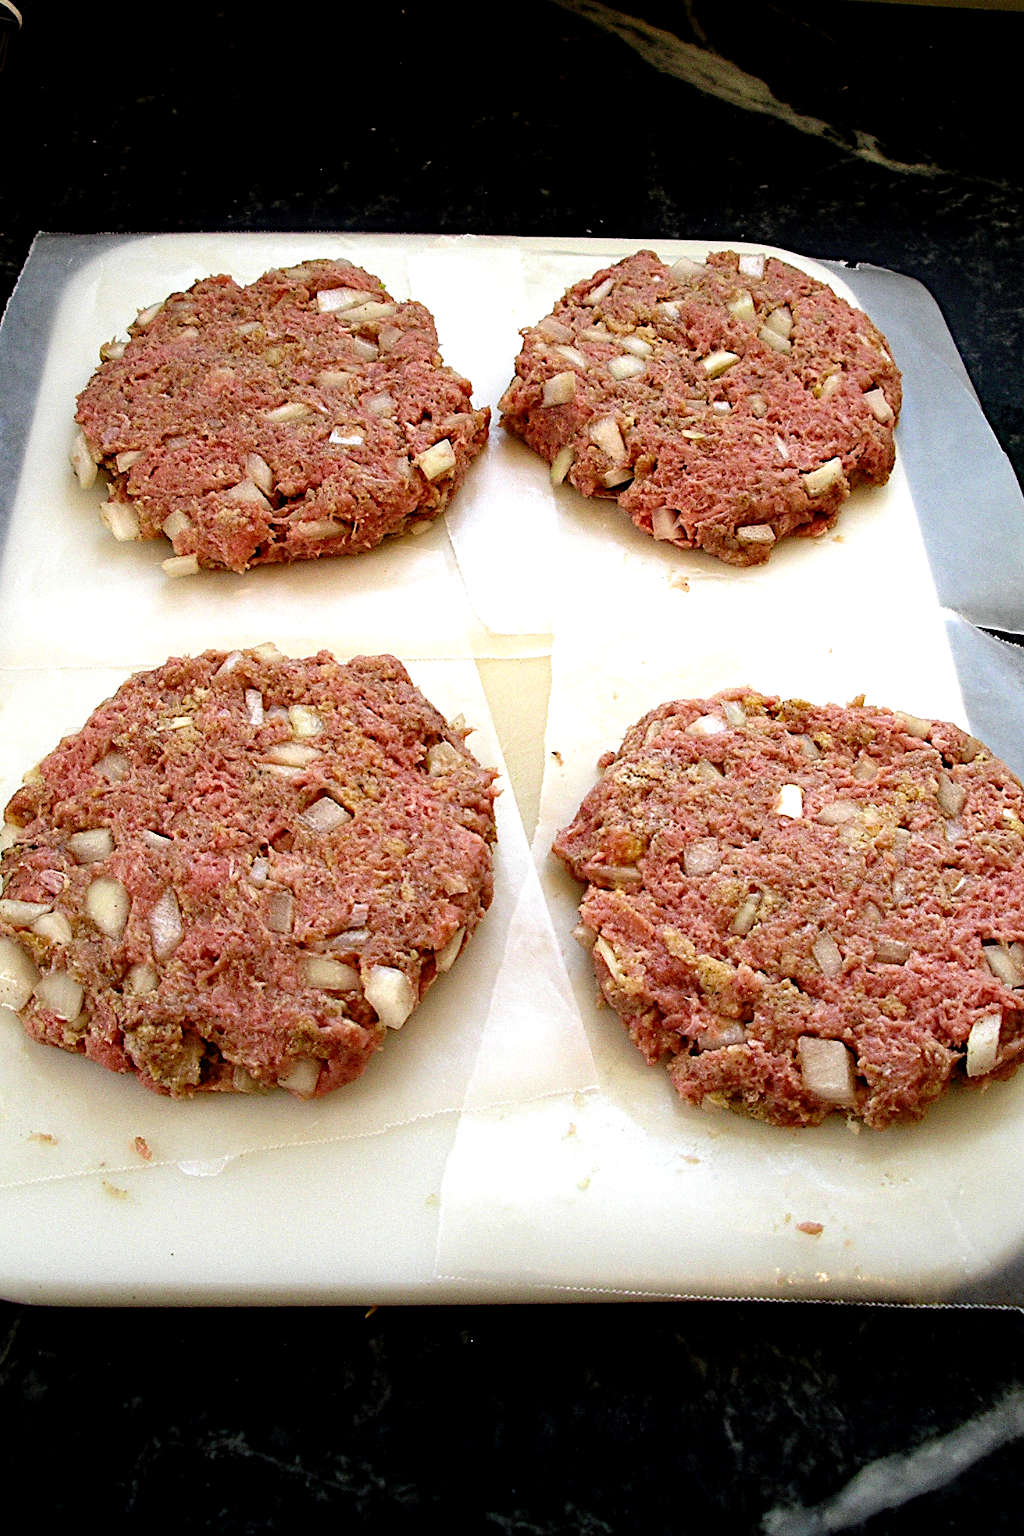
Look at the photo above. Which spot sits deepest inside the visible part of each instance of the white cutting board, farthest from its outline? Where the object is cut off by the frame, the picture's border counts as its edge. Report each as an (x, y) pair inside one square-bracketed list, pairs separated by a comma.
[(550, 1163)]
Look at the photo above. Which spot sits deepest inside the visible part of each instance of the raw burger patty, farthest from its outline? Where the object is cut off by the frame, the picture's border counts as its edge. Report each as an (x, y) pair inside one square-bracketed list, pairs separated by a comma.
[(799, 909), (722, 405), (308, 414), (242, 870)]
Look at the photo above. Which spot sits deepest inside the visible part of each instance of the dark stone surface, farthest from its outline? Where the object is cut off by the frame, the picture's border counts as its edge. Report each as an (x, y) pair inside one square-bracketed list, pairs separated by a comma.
[(881, 142)]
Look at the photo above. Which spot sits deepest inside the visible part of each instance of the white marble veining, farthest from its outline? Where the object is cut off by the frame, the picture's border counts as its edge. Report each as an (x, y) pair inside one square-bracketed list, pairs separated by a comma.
[(892, 1481), (719, 77)]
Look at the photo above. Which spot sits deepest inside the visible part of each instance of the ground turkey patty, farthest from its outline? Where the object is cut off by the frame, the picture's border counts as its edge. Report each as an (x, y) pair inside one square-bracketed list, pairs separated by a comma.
[(798, 909), (723, 405), (242, 870), (308, 414)]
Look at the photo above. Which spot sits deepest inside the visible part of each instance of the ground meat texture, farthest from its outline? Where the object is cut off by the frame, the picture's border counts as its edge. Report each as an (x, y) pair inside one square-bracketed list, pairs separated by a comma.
[(724, 405), (307, 414), (801, 909), (242, 870)]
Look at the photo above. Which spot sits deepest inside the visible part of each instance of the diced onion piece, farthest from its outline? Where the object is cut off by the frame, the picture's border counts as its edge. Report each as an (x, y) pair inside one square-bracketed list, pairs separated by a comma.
[(302, 1077), (741, 306), (304, 720), (600, 292), (746, 914), (664, 523), (330, 300), (228, 665), (108, 904), (706, 725), (610, 958), (259, 472), (626, 367), (242, 1080), (18, 974), (560, 388), (716, 363), (827, 1068), (437, 460), (756, 533), (268, 651), (827, 956), (246, 491), (21, 914), (367, 314), (141, 978), (329, 975), (180, 565), (281, 911), (983, 1045), (254, 706), (553, 329), (59, 993), (53, 927), (879, 406), (780, 321), (148, 315), (124, 461), (892, 952), (324, 815), (113, 766), (914, 725), (82, 461), (636, 345), (951, 796), (259, 870), (331, 378), (446, 957), (817, 481), (734, 712), (121, 520), (89, 847), (561, 464), (773, 340), (292, 754), (752, 265), (291, 410), (155, 840), (320, 528), (605, 434), (865, 769), (165, 927), (1002, 965), (758, 406), (702, 857), (364, 348), (442, 757), (390, 994), (789, 801), (781, 449), (381, 404), (837, 812), (342, 439), (685, 266), (668, 309), (571, 355)]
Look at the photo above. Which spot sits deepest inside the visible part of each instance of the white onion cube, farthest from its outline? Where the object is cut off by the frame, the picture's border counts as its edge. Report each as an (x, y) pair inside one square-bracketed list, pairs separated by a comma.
[(390, 994)]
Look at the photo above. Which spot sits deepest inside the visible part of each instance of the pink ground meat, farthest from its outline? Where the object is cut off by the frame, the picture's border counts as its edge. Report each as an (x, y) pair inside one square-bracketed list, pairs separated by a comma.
[(801, 909), (722, 406), (307, 414), (243, 870)]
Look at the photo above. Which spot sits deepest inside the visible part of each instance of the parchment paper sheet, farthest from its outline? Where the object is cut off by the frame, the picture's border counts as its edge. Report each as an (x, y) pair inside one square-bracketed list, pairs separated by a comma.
[(81, 612)]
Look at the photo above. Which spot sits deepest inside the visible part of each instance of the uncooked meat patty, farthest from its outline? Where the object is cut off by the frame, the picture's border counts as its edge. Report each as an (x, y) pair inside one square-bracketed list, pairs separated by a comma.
[(307, 414), (800, 909), (723, 405), (242, 870)]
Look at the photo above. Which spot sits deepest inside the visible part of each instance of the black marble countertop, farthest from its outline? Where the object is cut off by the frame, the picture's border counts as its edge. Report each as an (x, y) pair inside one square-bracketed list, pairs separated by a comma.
[(864, 131)]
